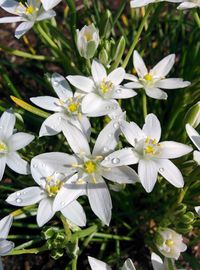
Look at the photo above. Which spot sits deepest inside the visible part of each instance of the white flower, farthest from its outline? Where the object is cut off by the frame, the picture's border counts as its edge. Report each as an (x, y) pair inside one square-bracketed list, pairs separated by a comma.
[(67, 106), (87, 41), (154, 79), (158, 263), (197, 209), (49, 175), (172, 244), (142, 3), (10, 143), (99, 265), (5, 224), (28, 13), (189, 4), (152, 155), (89, 179), (102, 90), (49, 4), (195, 138)]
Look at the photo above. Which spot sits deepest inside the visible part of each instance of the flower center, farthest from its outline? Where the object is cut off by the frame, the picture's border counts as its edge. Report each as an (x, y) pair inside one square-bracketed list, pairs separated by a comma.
[(90, 166), (73, 107), (30, 10), (169, 242), (53, 185), (151, 147), (106, 86), (88, 36), (148, 77), (3, 148)]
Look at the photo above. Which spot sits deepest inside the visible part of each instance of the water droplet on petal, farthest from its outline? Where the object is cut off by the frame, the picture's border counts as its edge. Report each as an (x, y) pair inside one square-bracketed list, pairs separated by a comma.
[(105, 149), (63, 203), (115, 160), (116, 125), (18, 193), (107, 158), (161, 170), (110, 135), (18, 200), (118, 91), (0, 127), (55, 83), (34, 165), (59, 118), (107, 107)]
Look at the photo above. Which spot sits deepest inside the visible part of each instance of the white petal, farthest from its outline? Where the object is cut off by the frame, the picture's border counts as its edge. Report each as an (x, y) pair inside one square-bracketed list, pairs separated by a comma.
[(85, 126), (152, 128), (45, 211), (140, 3), (11, 19), (197, 209), (131, 77), (157, 262), (46, 15), (23, 28), (107, 139), (2, 166), (9, 6), (97, 264), (5, 248), (170, 172), (170, 149), (17, 164), (196, 157), (164, 66), (76, 139), (82, 83), (52, 125), (47, 103), (5, 225), (126, 156), (7, 123), (186, 5), (98, 72), (148, 172), (94, 105), (68, 193), (75, 213), (121, 175), (26, 196), (61, 86), (132, 132), (116, 76), (49, 4), (100, 201), (123, 93), (156, 93), (139, 64), (194, 135), (134, 85), (172, 83), (20, 140), (128, 265)]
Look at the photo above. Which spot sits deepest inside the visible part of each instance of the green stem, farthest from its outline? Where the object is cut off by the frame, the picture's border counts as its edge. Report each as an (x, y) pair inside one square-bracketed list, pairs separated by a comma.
[(74, 263), (137, 37), (144, 104), (28, 251), (197, 19), (114, 237), (170, 265), (66, 227)]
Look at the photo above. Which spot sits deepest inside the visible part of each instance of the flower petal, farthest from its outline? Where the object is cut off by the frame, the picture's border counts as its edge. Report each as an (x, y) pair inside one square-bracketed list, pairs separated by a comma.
[(82, 83), (148, 172), (132, 132), (98, 72), (11, 19), (47, 103), (156, 93), (17, 164), (75, 213), (97, 264), (170, 172), (126, 156), (196, 157), (10, 6), (61, 86), (45, 211), (7, 123), (123, 93), (100, 200), (76, 139), (152, 128), (85, 126), (5, 248), (23, 28), (194, 135), (164, 66), (134, 85), (49, 4), (5, 225), (128, 265), (186, 5), (121, 175), (139, 65), (170, 149), (116, 76), (2, 166), (140, 3), (172, 83), (94, 105), (52, 125), (157, 262), (20, 140), (46, 15), (26, 196)]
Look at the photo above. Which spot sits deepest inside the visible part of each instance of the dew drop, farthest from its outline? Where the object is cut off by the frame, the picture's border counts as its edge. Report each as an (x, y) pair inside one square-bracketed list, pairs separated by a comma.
[(59, 118), (107, 107), (115, 160), (63, 203), (107, 158), (18, 200), (118, 91), (18, 193), (110, 135), (34, 165), (116, 125), (55, 83), (105, 149), (161, 170), (0, 127)]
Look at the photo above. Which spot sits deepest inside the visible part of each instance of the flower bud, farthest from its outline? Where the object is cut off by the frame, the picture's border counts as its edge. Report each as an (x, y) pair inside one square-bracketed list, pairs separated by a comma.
[(180, 209), (171, 245), (193, 115), (57, 253), (103, 57), (188, 218), (87, 41)]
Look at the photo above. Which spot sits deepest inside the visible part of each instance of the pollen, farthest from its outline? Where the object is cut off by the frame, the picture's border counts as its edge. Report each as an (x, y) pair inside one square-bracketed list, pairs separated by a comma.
[(148, 77), (90, 167), (30, 10), (73, 107), (151, 147), (106, 86), (53, 186), (3, 147), (88, 36)]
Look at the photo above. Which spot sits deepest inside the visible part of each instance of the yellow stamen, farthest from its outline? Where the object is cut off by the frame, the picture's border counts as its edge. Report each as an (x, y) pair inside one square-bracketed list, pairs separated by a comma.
[(3, 147), (106, 86), (88, 36), (73, 107), (169, 242), (90, 167), (30, 10), (148, 77), (149, 149)]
